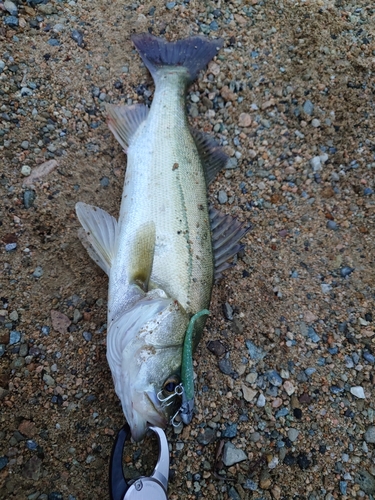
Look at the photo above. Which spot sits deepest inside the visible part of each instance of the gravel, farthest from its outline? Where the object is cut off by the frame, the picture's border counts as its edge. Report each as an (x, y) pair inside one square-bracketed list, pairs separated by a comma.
[(284, 390)]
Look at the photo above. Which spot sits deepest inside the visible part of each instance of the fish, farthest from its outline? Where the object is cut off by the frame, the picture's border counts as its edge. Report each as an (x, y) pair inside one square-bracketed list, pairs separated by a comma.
[(168, 246)]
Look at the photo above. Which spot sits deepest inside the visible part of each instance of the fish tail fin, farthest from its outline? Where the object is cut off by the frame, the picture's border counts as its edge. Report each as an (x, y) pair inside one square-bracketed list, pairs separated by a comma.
[(193, 53)]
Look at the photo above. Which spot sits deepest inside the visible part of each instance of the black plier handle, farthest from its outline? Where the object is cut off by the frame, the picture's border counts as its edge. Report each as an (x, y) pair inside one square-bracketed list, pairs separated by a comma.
[(144, 488)]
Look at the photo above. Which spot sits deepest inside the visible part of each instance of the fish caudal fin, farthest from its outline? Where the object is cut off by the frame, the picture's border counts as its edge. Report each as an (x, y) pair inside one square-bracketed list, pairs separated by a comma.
[(211, 154), (226, 235), (98, 234), (193, 53), (124, 121)]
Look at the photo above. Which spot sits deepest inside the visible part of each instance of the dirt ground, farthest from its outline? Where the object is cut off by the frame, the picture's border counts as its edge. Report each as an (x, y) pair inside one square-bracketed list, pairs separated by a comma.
[(291, 98)]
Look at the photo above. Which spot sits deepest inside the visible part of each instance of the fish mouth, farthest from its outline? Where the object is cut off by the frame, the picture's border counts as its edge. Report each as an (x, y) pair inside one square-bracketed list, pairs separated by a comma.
[(149, 413)]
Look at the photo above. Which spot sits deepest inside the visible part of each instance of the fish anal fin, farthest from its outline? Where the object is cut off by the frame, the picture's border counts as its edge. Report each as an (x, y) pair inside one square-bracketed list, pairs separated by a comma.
[(211, 154), (142, 253), (227, 233), (98, 234), (124, 121)]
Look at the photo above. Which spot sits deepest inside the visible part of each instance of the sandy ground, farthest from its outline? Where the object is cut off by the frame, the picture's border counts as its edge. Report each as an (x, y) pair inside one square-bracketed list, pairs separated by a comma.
[(291, 98)]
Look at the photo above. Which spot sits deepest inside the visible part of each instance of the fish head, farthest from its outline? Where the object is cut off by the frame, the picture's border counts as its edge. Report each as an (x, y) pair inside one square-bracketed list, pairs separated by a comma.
[(146, 360)]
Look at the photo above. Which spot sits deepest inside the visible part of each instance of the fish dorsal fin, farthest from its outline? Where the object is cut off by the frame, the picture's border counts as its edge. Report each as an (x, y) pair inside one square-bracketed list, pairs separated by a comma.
[(212, 156), (226, 235), (124, 121), (142, 255), (98, 234)]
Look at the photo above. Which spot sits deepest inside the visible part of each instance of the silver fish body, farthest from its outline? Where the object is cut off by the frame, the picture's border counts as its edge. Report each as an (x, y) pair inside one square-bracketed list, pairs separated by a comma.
[(159, 255)]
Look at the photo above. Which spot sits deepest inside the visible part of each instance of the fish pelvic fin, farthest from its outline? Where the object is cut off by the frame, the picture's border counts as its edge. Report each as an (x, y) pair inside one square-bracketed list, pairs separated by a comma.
[(124, 121), (142, 255), (227, 233), (211, 154), (98, 234), (193, 53)]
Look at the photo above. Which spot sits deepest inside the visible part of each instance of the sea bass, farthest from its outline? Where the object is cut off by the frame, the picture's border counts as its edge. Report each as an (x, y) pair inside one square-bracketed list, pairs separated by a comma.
[(167, 247)]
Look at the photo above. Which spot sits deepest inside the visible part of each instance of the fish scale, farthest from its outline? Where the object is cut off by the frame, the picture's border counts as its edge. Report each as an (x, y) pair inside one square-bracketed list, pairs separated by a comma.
[(167, 186)]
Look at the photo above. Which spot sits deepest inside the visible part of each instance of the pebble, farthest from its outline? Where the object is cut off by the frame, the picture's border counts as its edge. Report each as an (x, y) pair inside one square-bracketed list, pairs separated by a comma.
[(244, 120), (315, 123), (38, 272), (308, 107), (345, 271), (26, 170), (256, 353), (331, 224), (170, 5), (248, 393), (293, 434), (369, 435), (313, 336), (10, 247), (232, 455), (14, 337), (11, 8), (207, 436), (261, 401), (358, 392), (87, 336), (222, 197), (274, 378), (28, 198), (316, 163), (11, 21), (48, 380), (77, 36), (228, 311), (366, 481), (230, 431), (13, 316), (326, 288), (60, 322), (3, 462)]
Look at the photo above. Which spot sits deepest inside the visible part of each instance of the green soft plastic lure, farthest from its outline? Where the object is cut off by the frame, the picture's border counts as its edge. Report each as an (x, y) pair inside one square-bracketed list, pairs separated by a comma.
[(187, 372)]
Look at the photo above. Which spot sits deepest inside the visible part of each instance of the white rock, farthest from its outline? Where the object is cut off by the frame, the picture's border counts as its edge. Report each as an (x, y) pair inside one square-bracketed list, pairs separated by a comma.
[(248, 393), (326, 288), (293, 434), (316, 163), (358, 392), (26, 170), (289, 387), (315, 123)]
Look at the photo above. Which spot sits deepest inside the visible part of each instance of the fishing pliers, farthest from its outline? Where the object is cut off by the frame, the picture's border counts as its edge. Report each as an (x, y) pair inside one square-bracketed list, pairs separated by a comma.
[(153, 487)]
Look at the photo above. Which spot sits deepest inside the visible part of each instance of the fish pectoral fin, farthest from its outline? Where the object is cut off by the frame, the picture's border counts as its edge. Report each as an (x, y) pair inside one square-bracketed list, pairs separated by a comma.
[(211, 154), (226, 235), (142, 255), (124, 121), (98, 234)]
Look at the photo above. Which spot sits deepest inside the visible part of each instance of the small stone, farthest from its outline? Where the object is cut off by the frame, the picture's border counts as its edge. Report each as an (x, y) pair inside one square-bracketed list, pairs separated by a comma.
[(222, 197), (331, 224), (369, 435), (293, 434), (104, 182), (10, 247), (11, 8), (28, 198), (289, 387), (313, 336), (326, 288), (60, 322), (228, 311), (274, 378), (32, 468), (230, 431), (207, 436), (77, 316), (87, 336), (77, 36), (315, 123), (232, 455), (256, 353), (3, 462), (225, 366), (244, 120), (358, 392), (345, 271), (261, 401), (48, 380), (14, 337), (316, 163), (303, 462), (27, 428), (248, 393), (366, 481), (26, 170), (38, 272), (308, 107), (216, 347), (13, 316), (170, 5), (53, 42), (11, 21), (56, 495)]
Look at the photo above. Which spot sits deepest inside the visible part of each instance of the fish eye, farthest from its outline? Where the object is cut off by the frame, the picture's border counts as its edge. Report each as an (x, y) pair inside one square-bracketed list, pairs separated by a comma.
[(171, 383)]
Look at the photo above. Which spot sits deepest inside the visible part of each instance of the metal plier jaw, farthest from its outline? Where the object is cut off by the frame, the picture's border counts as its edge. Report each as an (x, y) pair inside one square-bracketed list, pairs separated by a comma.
[(153, 487)]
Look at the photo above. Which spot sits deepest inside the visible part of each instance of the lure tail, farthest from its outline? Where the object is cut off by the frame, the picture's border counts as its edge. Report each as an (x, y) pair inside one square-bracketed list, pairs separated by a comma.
[(193, 54)]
